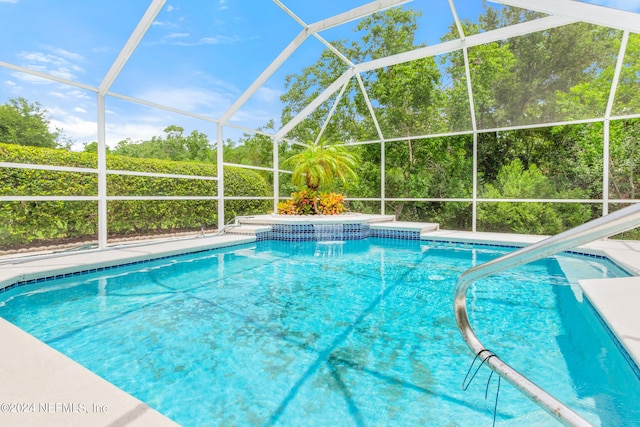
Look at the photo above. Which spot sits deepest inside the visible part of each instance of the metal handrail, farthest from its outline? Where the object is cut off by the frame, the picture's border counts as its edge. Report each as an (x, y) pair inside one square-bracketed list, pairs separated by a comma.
[(617, 222)]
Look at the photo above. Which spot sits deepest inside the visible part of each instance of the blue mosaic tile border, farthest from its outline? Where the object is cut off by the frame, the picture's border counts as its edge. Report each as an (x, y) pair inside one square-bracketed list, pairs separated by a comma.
[(105, 268), (287, 232), (395, 234), (614, 338), (315, 232), (498, 245), (303, 232), (456, 242), (263, 235)]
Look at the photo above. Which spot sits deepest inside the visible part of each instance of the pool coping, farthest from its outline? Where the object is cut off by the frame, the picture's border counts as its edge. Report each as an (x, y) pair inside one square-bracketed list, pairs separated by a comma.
[(23, 377), (42, 387)]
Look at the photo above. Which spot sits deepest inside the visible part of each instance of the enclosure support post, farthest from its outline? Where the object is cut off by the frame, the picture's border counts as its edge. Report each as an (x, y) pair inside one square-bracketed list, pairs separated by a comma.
[(220, 160), (276, 175), (474, 204), (102, 175), (605, 169), (382, 177), (607, 122), (474, 125)]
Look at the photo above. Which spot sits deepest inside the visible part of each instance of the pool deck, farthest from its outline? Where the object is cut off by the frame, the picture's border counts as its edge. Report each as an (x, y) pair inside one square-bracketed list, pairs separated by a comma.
[(54, 390)]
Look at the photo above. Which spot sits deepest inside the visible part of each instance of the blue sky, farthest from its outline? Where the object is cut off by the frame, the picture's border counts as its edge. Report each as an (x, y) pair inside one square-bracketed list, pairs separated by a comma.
[(198, 56)]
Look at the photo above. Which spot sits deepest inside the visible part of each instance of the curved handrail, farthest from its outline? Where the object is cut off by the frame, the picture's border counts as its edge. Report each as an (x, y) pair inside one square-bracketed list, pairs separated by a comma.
[(617, 222)]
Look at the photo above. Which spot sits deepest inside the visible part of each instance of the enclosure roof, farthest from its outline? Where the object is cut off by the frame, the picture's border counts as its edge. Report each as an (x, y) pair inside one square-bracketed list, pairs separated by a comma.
[(223, 62)]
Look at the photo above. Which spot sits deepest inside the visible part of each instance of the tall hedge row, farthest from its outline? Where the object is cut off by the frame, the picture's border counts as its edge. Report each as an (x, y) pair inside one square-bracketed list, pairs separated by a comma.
[(25, 222)]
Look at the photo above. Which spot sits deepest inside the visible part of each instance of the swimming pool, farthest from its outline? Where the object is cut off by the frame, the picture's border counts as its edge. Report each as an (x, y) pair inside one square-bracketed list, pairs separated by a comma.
[(334, 333)]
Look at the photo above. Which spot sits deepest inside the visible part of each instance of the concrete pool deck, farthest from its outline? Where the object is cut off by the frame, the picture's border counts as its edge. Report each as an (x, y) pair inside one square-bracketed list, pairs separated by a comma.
[(51, 389)]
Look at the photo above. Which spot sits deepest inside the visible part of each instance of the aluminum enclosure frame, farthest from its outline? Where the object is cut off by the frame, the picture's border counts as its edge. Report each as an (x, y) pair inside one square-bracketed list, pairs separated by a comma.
[(561, 12)]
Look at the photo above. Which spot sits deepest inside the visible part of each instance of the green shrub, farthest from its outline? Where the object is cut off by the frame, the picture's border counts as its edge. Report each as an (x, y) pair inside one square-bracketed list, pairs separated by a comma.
[(24, 222), (514, 181)]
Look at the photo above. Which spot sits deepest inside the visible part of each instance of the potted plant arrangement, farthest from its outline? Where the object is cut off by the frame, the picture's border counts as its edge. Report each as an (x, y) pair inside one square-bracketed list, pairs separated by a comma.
[(315, 168)]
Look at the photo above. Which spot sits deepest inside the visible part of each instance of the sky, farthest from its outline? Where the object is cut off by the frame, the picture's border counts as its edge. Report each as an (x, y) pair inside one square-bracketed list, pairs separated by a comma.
[(198, 56)]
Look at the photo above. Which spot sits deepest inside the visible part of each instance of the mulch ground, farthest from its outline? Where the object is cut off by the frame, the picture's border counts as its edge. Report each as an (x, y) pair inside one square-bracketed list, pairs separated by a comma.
[(88, 241)]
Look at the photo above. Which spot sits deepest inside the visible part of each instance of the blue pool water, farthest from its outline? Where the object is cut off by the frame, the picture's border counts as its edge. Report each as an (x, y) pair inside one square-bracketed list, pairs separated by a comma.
[(355, 333)]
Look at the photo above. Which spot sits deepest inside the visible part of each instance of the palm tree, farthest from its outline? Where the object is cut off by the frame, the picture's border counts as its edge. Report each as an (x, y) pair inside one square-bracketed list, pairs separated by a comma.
[(320, 164)]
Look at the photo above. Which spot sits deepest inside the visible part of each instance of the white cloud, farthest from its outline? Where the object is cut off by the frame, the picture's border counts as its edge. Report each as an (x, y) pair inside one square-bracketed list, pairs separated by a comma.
[(137, 131), (73, 126), (268, 95), (30, 78), (71, 95), (80, 129), (222, 5), (57, 62), (59, 95), (102, 49), (68, 55), (177, 35), (75, 114), (164, 24), (220, 40), (213, 40), (195, 100), (8, 1)]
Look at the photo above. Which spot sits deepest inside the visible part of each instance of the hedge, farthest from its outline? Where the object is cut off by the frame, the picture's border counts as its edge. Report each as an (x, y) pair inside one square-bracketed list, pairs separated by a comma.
[(23, 223)]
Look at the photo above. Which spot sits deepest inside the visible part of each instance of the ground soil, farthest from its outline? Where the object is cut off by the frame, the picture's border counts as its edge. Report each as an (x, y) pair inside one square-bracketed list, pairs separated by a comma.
[(89, 241)]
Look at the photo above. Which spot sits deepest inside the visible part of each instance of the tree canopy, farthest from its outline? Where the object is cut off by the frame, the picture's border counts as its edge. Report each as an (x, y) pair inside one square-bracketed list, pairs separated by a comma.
[(26, 123), (174, 145), (319, 164)]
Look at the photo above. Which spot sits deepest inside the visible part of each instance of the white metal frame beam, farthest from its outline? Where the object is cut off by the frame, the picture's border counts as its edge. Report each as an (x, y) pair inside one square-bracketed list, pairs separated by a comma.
[(585, 12), (130, 46), (333, 88), (266, 74), (48, 76), (161, 107), (332, 111), (470, 41), (307, 30), (354, 14), (606, 152)]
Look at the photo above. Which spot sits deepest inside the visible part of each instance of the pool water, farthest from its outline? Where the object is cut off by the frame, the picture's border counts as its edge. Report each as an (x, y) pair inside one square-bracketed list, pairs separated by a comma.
[(355, 333)]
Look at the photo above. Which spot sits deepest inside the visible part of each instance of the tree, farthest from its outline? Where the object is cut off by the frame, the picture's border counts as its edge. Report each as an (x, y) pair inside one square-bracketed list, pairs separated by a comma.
[(590, 97), (307, 85), (406, 95), (516, 181), (92, 147), (518, 81), (320, 164), (25, 123), (173, 146), (251, 149)]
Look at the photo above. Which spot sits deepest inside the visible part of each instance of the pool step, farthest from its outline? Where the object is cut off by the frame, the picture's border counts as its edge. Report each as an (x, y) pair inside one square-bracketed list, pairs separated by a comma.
[(420, 227), (248, 230), (616, 301), (249, 226)]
